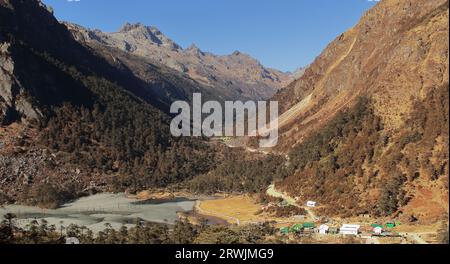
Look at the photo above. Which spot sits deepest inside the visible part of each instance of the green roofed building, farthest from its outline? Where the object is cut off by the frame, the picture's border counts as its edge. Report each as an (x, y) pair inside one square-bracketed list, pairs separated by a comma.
[(390, 225), (376, 225), (309, 225), (284, 230), (297, 228)]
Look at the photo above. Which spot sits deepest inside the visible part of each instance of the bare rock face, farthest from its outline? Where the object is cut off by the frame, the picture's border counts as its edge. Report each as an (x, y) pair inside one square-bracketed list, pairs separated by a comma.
[(137, 33), (13, 104), (236, 76), (6, 82)]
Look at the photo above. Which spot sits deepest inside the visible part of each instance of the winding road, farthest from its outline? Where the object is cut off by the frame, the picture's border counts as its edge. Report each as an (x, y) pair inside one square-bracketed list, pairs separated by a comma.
[(272, 191)]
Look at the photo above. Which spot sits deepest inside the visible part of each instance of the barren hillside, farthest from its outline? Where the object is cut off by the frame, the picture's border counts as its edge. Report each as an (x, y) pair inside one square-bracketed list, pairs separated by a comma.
[(396, 54), (369, 118)]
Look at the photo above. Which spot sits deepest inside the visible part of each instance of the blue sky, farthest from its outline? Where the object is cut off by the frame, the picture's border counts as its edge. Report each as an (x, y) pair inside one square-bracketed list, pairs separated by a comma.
[(282, 34)]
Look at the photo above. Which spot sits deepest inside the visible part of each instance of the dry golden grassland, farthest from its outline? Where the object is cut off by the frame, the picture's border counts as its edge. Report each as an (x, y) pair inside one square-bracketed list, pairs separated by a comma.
[(242, 209)]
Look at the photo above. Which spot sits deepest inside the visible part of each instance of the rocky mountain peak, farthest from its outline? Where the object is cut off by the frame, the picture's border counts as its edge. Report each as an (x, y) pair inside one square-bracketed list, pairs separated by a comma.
[(241, 56), (141, 32), (127, 27), (193, 49), (237, 53), (237, 75)]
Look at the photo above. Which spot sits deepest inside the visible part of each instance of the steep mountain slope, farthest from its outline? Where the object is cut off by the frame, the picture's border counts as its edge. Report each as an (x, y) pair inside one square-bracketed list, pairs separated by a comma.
[(72, 122), (165, 83), (155, 84), (369, 118), (232, 77), (297, 74), (397, 53)]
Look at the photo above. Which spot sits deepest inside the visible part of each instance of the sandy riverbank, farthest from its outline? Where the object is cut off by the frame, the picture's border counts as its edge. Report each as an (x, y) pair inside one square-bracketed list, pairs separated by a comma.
[(97, 210)]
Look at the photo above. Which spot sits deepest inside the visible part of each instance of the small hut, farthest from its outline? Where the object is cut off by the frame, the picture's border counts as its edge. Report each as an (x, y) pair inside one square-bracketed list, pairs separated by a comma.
[(376, 225), (390, 225), (311, 204), (309, 225), (284, 230), (323, 229), (378, 230), (72, 241), (348, 229), (297, 228)]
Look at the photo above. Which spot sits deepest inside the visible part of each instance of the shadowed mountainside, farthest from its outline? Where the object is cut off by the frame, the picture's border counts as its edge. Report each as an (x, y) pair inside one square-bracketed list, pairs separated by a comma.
[(232, 77), (74, 123)]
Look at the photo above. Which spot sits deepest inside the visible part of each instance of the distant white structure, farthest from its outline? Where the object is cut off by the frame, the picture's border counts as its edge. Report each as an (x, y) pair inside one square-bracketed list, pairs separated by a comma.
[(72, 241), (347, 229), (323, 229), (378, 230), (311, 204)]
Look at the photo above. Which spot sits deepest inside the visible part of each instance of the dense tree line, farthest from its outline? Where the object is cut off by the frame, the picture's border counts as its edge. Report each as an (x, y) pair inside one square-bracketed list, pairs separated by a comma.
[(354, 153), (285, 211), (324, 167), (120, 136), (419, 151), (236, 174), (142, 233), (46, 195)]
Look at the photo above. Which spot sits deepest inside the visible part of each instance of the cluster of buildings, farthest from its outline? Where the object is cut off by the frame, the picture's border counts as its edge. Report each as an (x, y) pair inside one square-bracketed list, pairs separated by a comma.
[(345, 229)]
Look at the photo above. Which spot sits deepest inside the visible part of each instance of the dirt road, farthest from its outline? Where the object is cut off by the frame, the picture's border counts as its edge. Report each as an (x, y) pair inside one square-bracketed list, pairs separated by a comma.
[(272, 191)]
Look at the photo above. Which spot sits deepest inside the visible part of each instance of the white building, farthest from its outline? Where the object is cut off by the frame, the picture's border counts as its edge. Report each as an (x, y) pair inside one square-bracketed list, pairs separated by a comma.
[(311, 204), (378, 230), (72, 241), (323, 229), (347, 229)]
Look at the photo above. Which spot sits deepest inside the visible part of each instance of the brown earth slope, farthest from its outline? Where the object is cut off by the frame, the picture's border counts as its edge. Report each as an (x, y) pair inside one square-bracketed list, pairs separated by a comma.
[(369, 118), (397, 53)]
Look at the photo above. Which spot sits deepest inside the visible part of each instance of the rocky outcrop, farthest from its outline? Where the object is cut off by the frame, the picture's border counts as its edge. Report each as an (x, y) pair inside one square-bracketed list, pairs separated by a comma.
[(23, 169), (236, 76), (13, 103)]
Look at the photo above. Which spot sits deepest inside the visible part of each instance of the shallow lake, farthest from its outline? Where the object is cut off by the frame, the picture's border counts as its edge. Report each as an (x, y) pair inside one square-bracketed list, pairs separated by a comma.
[(97, 210)]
